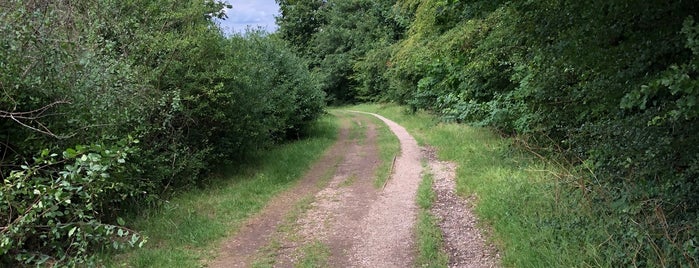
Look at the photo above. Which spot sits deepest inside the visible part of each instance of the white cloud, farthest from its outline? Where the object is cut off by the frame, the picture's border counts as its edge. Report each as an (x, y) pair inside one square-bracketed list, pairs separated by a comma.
[(250, 13)]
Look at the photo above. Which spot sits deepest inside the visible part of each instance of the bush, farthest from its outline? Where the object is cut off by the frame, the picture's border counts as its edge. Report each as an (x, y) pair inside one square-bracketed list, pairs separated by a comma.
[(98, 73), (53, 207)]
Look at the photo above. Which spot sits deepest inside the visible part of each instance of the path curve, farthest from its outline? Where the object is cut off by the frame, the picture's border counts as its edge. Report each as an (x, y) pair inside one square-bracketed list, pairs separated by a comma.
[(361, 226), (387, 238), (257, 231)]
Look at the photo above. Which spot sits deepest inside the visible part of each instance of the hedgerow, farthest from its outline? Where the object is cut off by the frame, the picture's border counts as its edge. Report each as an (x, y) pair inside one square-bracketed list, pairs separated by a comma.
[(106, 106), (610, 86)]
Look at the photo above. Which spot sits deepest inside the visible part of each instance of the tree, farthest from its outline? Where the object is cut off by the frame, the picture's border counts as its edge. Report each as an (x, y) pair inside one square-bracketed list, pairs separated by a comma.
[(299, 21), (105, 106), (335, 36)]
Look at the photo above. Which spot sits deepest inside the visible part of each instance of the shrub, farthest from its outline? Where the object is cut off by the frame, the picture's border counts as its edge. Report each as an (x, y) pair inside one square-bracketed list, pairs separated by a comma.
[(100, 72), (52, 206)]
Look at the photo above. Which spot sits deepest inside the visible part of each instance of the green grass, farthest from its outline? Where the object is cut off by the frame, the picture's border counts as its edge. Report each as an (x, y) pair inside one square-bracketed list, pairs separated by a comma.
[(267, 255), (429, 236), (349, 181), (187, 230), (529, 207), (314, 255), (389, 147), (358, 129)]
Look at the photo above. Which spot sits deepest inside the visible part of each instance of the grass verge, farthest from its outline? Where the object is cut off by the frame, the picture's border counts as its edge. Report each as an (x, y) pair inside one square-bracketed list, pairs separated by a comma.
[(429, 236), (188, 228), (530, 207), (389, 148), (314, 255)]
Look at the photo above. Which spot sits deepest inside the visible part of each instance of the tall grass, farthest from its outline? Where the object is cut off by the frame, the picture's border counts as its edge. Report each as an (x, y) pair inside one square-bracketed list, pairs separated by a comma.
[(188, 228), (530, 207)]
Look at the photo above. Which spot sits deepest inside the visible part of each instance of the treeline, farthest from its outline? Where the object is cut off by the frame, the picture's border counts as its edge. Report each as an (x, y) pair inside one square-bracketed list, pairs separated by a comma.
[(106, 106), (611, 86), (346, 43)]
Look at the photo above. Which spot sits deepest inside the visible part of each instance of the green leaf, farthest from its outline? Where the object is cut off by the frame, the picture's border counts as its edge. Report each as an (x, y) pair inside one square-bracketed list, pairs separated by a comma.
[(72, 230), (69, 153), (143, 241)]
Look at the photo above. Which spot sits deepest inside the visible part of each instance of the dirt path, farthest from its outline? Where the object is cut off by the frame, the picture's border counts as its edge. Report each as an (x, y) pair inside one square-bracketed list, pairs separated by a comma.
[(334, 219), (347, 222), (240, 250)]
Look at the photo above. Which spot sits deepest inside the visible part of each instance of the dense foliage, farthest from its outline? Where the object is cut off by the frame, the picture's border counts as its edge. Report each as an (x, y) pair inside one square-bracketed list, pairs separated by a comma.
[(609, 85), (106, 105), (346, 43)]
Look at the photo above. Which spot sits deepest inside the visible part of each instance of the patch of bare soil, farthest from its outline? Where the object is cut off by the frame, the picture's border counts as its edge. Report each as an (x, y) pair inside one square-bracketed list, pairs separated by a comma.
[(463, 240), (335, 216)]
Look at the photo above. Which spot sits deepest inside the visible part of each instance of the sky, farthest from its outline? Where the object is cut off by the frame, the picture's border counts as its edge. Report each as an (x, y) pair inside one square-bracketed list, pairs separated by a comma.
[(254, 13)]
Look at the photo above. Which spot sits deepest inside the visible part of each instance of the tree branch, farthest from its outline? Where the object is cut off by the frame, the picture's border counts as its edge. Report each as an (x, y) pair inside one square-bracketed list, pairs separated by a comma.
[(34, 115)]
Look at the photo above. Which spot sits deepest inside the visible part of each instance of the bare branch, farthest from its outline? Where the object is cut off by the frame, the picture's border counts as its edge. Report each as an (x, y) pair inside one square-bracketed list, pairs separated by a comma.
[(34, 115), (30, 114), (33, 128)]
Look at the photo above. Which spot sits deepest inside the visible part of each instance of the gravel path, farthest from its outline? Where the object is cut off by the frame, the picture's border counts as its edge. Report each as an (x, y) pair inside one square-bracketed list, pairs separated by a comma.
[(463, 240), (386, 238)]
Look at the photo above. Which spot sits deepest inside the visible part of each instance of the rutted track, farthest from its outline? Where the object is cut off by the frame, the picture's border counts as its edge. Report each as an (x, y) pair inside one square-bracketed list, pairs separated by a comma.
[(358, 224)]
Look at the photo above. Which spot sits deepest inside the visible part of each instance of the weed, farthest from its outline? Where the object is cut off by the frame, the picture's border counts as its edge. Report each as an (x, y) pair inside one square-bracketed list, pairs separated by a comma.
[(349, 181), (314, 255)]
